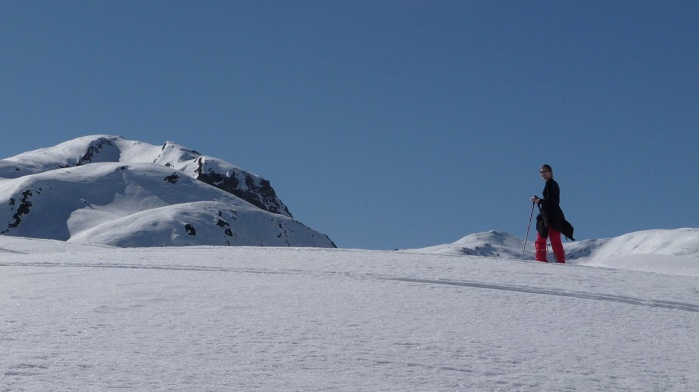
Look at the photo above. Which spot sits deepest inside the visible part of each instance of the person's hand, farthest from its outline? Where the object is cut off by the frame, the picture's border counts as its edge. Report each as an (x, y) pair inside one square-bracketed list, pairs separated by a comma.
[(534, 199)]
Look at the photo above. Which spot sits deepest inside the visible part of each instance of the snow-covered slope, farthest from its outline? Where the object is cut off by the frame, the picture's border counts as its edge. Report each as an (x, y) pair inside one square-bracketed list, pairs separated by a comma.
[(491, 243), (108, 190), (664, 251), (106, 148), (85, 318)]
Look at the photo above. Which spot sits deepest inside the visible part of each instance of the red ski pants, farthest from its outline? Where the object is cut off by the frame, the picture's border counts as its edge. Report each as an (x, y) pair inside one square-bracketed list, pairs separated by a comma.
[(555, 238)]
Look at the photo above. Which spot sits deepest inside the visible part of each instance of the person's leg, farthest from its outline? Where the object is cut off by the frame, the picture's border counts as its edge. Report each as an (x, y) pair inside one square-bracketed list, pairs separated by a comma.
[(555, 237), (540, 246)]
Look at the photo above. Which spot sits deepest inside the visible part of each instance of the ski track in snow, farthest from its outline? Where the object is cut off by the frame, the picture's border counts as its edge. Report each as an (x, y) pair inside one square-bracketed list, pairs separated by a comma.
[(220, 319), (562, 293), (472, 284)]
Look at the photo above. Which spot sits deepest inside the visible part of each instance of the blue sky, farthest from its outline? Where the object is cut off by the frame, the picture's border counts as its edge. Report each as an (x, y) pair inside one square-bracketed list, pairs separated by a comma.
[(385, 124)]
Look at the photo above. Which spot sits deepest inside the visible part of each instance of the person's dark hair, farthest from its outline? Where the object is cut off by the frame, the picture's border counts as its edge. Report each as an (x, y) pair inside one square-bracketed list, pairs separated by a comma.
[(547, 167)]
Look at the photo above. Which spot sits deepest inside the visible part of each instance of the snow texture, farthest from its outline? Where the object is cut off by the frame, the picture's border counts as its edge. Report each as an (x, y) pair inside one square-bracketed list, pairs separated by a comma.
[(78, 317), (107, 190)]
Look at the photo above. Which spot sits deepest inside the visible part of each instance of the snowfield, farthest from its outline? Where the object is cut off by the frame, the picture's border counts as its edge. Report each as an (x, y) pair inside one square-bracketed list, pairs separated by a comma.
[(79, 317)]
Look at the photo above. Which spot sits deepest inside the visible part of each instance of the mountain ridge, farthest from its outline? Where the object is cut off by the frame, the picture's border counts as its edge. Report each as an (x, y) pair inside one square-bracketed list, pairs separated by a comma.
[(672, 242), (678, 249), (109, 148), (89, 189)]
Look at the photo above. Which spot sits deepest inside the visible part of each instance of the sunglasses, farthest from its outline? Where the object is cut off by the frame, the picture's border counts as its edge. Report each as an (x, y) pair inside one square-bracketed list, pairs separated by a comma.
[(544, 171)]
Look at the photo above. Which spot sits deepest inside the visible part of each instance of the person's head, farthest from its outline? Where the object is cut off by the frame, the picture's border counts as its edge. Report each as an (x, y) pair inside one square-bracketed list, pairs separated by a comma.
[(546, 172)]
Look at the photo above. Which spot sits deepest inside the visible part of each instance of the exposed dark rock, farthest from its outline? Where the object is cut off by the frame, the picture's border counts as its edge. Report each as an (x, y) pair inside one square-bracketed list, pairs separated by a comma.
[(23, 209), (93, 150), (172, 179), (190, 229), (262, 196)]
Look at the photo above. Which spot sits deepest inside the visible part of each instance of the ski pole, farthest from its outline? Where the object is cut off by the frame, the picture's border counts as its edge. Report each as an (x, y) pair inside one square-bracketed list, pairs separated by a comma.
[(528, 226)]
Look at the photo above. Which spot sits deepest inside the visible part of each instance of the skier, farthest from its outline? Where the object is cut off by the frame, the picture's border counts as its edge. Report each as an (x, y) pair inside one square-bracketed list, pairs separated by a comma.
[(550, 222)]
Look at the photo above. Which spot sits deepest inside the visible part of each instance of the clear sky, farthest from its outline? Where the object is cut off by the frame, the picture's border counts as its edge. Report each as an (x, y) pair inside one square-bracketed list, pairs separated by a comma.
[(385, 124)]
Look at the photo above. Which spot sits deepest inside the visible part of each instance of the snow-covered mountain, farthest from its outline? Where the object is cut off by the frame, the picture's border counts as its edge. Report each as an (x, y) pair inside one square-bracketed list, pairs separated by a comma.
[(108, 190), (665, 251)]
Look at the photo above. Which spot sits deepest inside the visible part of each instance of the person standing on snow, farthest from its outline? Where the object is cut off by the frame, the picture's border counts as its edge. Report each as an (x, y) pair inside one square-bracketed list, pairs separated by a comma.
[(550, 222)]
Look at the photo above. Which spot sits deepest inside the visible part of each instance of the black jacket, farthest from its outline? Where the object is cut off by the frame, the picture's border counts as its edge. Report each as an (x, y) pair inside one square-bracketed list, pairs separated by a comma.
[(550, 212)]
